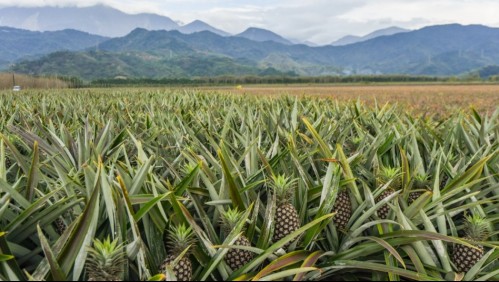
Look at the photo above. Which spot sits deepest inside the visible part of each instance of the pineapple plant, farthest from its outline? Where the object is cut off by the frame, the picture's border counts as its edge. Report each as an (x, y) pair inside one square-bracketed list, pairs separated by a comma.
[(420, 183), (476, 229), (343, 209), (386, 175), (236, 258), (179, 239), (286, 218), (105, 261)]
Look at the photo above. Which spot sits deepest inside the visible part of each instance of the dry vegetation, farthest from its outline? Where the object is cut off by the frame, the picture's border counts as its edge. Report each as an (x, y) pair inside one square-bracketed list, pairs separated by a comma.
[(29, 82), (416, 98)]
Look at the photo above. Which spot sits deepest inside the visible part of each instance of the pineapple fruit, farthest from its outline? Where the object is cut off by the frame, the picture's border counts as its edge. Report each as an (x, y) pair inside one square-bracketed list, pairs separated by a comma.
[(236, 258), (286, 217), (476, 229), (60, 226), (179, 238), (343, 209), (105, 261), (388, 174)]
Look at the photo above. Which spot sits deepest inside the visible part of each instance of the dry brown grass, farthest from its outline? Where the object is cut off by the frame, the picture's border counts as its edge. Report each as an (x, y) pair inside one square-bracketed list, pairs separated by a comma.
[(434, 99), (30, 82)]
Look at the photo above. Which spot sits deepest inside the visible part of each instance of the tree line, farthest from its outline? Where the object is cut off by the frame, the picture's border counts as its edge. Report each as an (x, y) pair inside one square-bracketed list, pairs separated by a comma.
[(236, 80)]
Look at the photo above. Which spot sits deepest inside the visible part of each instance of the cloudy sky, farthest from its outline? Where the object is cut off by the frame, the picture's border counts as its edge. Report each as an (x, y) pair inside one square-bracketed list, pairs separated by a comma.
[(320, 21)]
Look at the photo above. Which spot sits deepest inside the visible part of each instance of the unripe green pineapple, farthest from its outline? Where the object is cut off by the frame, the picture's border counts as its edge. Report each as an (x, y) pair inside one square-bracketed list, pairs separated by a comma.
[(236, 258), (286, 217), (420, 183), (476, 229), (343, 209), (179, 239), (386, 175), (105, 261)]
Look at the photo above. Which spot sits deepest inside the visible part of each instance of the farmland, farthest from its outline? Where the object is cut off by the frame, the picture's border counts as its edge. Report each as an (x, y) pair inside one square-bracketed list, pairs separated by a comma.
[(271, 183)]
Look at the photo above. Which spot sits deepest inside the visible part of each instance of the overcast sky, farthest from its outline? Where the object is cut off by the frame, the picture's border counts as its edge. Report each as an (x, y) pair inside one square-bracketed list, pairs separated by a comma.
[(320, 21)]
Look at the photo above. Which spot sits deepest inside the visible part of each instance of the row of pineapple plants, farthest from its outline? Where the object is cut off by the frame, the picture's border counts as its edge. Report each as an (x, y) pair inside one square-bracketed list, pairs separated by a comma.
[(207, 186)]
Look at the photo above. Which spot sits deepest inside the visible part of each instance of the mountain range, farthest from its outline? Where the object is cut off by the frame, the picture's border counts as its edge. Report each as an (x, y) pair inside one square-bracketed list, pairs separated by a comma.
[(197, 49), (435, 50), (104, 21)]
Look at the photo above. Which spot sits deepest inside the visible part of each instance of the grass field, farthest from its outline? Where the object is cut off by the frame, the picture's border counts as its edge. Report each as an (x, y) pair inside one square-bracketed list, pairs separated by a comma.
[(258, 183)]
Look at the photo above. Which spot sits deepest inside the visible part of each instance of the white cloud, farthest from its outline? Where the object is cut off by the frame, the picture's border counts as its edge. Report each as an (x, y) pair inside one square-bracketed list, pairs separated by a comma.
[(434, 12)]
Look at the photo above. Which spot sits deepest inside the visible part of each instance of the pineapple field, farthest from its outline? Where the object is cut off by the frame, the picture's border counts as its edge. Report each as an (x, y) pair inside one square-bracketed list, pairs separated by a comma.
[(158, 184)]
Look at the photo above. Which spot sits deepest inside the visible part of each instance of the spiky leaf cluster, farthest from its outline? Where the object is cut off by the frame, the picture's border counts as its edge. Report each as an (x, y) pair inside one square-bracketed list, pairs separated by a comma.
[(283, 188), (230, 219), (421, 181), (105, 260), (477, 228), (392, 175), (179, 238)]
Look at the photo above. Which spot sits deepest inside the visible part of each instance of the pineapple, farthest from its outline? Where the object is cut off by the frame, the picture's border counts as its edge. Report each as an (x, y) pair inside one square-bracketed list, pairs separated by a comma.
[(420, 183), (476, 229), (343, 209), (286, 217), (105, 261), (386, 175), (236, 258), (179, 238), (60, 226)]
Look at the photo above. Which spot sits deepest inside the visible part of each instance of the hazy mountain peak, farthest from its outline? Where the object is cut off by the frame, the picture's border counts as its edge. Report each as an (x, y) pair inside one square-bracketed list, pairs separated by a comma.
[(98, 19), (260, 34), (198, 25), (351, 39)]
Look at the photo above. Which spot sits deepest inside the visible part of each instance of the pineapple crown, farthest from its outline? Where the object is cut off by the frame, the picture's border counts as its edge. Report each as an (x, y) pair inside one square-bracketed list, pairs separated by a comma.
[(105, 260), (179, 238), (477, 228), (283, 188), (230, 219), (421, 181), (390, 174)]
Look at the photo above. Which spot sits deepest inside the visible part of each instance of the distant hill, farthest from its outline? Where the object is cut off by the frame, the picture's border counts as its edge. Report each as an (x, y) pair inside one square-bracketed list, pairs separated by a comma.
[(197, 26), (261, 35), (18, 43), (351, 39), (436, 50), (92, 65)]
